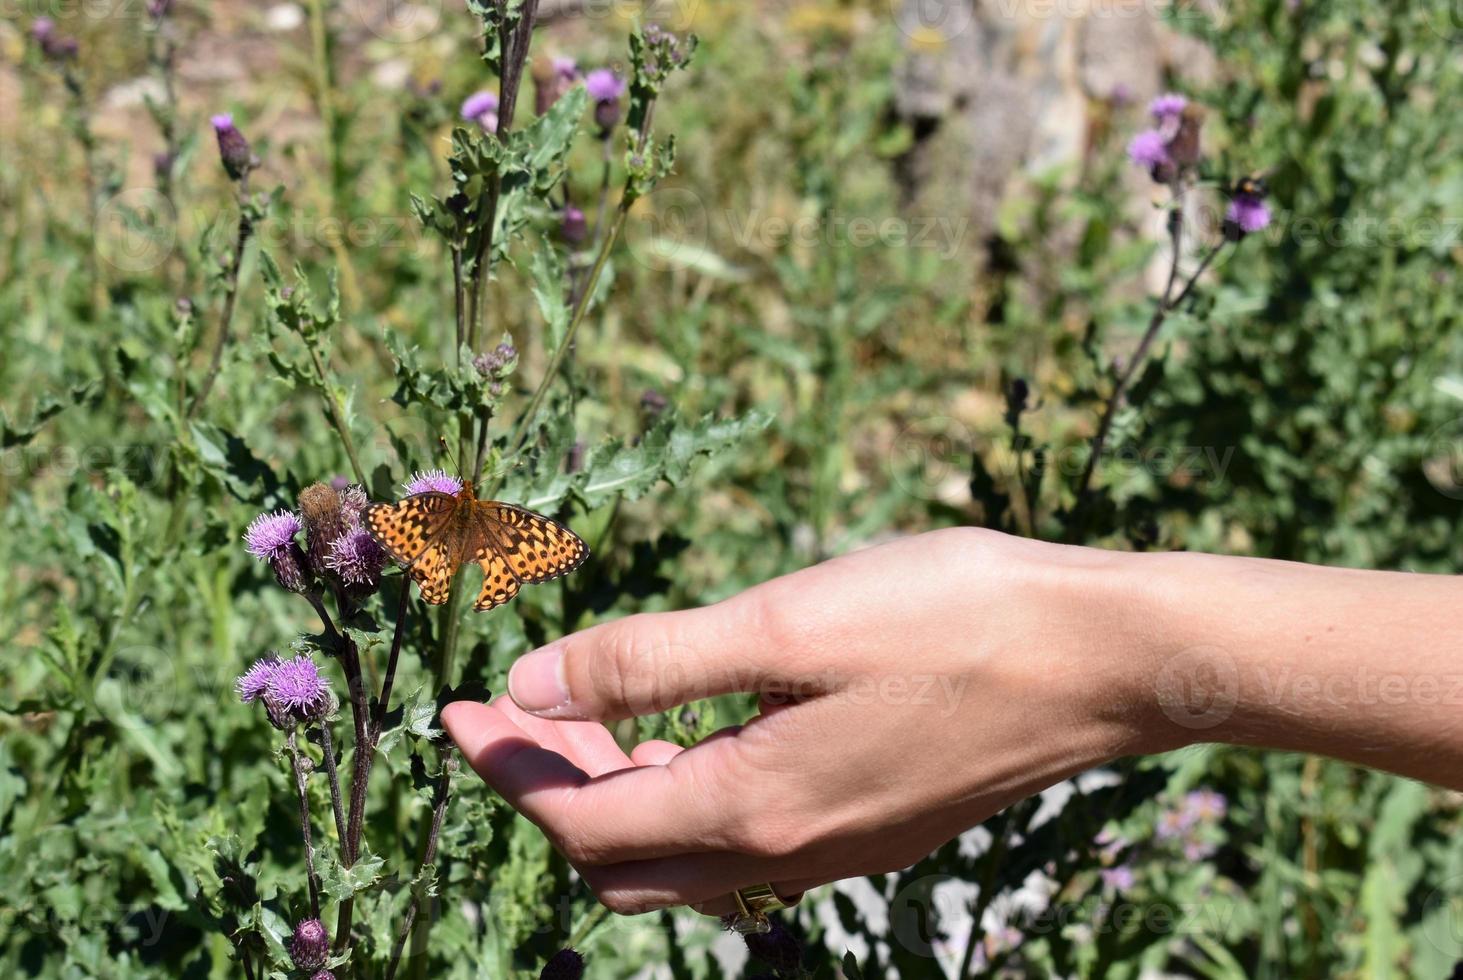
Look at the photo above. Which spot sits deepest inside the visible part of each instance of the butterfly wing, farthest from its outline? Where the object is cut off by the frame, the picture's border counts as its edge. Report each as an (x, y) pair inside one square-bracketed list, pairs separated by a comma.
[(499, 582), (413, 532), (532, 546)]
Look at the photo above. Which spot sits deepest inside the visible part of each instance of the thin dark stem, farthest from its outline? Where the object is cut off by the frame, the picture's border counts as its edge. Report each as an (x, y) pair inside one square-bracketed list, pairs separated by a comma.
[(300, 786), (514, 56), (607, 242), (360, 776), (248, 963), (231, 293), (327, 744), (384, 703), (1130, 371), (429, 856)]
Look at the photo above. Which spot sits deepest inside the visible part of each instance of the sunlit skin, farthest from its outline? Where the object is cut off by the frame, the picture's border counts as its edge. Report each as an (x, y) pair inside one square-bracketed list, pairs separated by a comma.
[(911, 690)]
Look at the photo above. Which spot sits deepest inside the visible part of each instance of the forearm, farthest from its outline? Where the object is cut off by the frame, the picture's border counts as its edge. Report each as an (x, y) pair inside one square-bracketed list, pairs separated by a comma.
[(1362, 666)]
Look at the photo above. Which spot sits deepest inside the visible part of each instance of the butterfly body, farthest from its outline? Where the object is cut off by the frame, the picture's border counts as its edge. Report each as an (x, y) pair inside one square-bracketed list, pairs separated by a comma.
[(434, 534)]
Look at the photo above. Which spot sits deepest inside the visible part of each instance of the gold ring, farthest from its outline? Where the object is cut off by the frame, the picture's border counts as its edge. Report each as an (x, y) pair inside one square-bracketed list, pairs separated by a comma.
[(753, 904)]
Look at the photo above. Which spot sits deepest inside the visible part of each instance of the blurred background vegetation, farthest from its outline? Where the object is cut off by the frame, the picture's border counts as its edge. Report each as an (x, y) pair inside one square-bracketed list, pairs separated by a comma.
[(899, 253)]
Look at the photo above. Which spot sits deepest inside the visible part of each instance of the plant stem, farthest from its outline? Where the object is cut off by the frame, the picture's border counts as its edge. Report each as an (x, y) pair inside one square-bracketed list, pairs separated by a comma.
[(384, 702), (328, 747), (520, 434), (336, 414), (1128, 373), (231, 293), (300, 787), (429, 855)]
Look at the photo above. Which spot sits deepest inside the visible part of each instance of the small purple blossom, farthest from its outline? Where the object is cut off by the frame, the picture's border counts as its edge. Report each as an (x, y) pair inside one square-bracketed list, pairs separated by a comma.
[(497, 363), (1246, 215), (252, 684), (322, 975), (481, 107), (1119, 878), (565, 68), (604, 85), (1148, 149), (1173, 824), (435, 481), (574, 227), (356, 558), (297, 688), (1167, 107), (233, 148), (606, 89), (1206, 806), (270, 535), (310, 945)]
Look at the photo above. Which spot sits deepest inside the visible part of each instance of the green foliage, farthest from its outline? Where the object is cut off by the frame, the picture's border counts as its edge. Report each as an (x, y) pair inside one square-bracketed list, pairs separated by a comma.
[(709, 406)]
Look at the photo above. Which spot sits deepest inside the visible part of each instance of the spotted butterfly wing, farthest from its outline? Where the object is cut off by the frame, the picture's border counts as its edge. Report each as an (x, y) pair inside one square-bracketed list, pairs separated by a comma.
[(416, 533), (433, 534)]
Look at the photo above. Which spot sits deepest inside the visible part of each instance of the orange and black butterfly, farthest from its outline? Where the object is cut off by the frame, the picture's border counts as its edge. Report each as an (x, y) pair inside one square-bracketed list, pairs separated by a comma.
[(433, 534)]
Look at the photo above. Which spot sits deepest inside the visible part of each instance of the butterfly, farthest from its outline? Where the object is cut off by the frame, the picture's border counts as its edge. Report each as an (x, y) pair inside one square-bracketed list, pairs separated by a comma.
[(433, 534)]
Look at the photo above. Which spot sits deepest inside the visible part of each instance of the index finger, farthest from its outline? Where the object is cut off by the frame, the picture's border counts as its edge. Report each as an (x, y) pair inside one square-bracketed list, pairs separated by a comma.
[(625, 815)]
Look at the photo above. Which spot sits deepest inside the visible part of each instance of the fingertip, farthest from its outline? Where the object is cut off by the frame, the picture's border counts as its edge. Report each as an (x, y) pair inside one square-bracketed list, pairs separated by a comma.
[(654, 752)]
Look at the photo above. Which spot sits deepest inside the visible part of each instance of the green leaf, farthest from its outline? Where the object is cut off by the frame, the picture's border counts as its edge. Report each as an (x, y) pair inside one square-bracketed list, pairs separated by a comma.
[(339, 882)]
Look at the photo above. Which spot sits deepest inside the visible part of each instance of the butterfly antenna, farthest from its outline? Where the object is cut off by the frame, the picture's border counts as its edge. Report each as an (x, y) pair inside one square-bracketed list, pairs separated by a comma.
[(456, 464)]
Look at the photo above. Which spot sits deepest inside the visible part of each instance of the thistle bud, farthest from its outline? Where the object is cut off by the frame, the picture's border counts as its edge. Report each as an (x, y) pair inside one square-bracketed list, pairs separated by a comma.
[(271, 538), (320, 506), (233, 149), (574, 227), (310, 945), (552, 77)]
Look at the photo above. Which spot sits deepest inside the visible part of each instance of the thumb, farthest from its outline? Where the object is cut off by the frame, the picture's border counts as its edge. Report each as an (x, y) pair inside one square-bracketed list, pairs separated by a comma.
[(651, 662)]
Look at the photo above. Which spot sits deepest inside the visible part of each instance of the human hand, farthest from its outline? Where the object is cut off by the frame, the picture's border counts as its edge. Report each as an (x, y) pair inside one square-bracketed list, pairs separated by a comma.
[(907, 692)]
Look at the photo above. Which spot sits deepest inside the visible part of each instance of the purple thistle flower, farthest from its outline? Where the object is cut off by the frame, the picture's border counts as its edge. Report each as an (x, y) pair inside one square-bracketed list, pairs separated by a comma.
[(310, 945), (1119, 878), (481, 107), (253, 682), (565, 68), (1206, 806), (1247, 214), (356, 558), (606, 89), (322, 975), (432, 481), (497, 363), (233, 149), (604, 85), (270, 534), (1148, 149), (42, 28), (296, 688), (271, 538), (566, 964), (1167, 107), (353, 501)]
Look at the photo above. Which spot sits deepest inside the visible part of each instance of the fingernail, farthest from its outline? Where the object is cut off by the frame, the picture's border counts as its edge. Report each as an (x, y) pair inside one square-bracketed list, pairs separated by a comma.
[(536, 681)]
